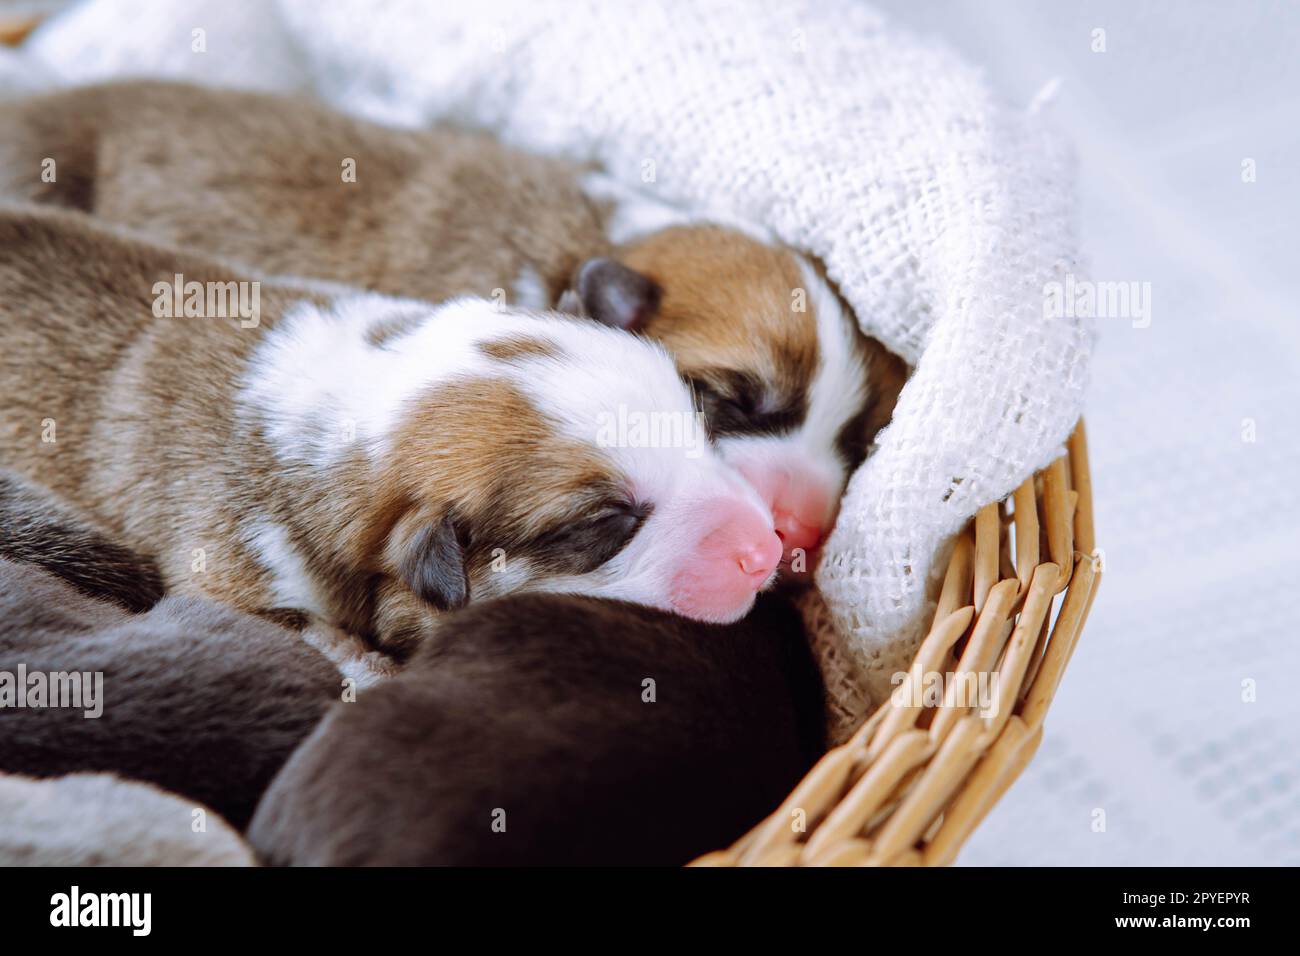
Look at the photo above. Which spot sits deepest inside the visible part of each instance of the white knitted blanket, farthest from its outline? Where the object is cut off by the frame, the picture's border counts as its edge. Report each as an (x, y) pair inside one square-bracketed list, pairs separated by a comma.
[(940, 213)]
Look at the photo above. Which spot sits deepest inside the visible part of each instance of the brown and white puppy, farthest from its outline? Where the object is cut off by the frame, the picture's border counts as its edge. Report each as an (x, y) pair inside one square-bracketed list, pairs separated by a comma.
[(547, 729), (356, 457), (793, 391)]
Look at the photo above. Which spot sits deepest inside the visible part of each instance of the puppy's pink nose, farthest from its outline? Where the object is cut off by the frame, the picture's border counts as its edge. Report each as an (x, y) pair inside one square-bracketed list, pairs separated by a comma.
[(732, 561), (796, 533), (760, 560), (802, 500)]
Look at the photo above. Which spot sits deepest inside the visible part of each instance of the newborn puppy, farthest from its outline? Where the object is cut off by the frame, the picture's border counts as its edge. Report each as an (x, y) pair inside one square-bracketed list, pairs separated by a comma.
[(38, 528), (358, 459), (196, 698), (793, 391), (291, 187), (541, 729)]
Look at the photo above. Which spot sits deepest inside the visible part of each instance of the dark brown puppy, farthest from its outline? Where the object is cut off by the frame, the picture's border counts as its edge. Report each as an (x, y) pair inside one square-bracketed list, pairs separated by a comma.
[(546, 729), (37, 527), (195, 697)]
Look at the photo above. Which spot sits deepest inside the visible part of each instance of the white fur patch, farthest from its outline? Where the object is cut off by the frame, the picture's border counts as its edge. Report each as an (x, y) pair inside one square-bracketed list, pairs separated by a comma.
[(514, 575), (839, 386), (319, 387), (350, 655), (292, 585)]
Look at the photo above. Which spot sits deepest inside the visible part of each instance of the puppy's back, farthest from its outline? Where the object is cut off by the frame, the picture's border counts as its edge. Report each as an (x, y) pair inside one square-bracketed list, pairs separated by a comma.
[(292, 187), (546, 729)]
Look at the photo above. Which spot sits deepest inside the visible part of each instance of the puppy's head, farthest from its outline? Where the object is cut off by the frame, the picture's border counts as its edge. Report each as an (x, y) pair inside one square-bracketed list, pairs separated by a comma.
[(553, 454), (791, 389)]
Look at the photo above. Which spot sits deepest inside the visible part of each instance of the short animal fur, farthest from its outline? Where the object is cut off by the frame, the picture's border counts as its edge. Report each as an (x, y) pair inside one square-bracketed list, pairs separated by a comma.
[(544, 729), (355, 460), (97, 819), (38, 528), (794, 393), (266, 181), (198, 698)]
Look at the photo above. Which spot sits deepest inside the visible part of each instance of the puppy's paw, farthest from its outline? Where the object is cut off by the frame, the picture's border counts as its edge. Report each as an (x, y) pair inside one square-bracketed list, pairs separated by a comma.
[(350, 654)]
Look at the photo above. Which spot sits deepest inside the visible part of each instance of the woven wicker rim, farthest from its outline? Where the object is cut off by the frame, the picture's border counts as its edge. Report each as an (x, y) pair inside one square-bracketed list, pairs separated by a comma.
[(910, 786)]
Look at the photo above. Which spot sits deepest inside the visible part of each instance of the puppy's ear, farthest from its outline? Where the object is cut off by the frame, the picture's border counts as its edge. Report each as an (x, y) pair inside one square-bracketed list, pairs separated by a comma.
[(434, 565), (615, 295)]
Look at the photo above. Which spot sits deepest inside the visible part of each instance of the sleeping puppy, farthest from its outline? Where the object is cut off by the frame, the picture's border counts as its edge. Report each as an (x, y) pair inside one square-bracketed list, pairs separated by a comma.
[(793, 392), (354, 460), (290, 187), (543, 729), (39, 528), (194, 697)]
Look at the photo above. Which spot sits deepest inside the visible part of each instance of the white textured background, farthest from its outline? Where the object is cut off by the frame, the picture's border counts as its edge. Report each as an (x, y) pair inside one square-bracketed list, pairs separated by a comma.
[(1199, 528)]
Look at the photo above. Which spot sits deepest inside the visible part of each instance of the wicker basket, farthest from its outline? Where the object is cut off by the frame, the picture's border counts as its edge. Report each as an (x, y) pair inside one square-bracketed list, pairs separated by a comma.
[(919, 775)]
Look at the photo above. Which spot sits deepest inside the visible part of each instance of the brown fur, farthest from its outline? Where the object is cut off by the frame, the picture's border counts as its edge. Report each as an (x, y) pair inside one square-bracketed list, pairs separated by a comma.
[(518, 347), (197, 698), (693, 317), (148, 442), (433, 214), (259, 179), (38, 528), (535, 705)]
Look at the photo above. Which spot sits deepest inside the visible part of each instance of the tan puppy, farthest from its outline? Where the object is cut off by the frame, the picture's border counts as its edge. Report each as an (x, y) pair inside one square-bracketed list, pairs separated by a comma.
[(293, 188), (792, 391), (355, 459)]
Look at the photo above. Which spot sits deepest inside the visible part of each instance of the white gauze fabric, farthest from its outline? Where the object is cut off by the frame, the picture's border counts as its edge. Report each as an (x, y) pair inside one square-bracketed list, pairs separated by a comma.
[(939, 212)]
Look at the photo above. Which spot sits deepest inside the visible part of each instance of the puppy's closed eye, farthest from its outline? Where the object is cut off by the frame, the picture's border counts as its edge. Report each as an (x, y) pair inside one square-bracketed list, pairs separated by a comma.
[(737, 403), (588, 542)]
